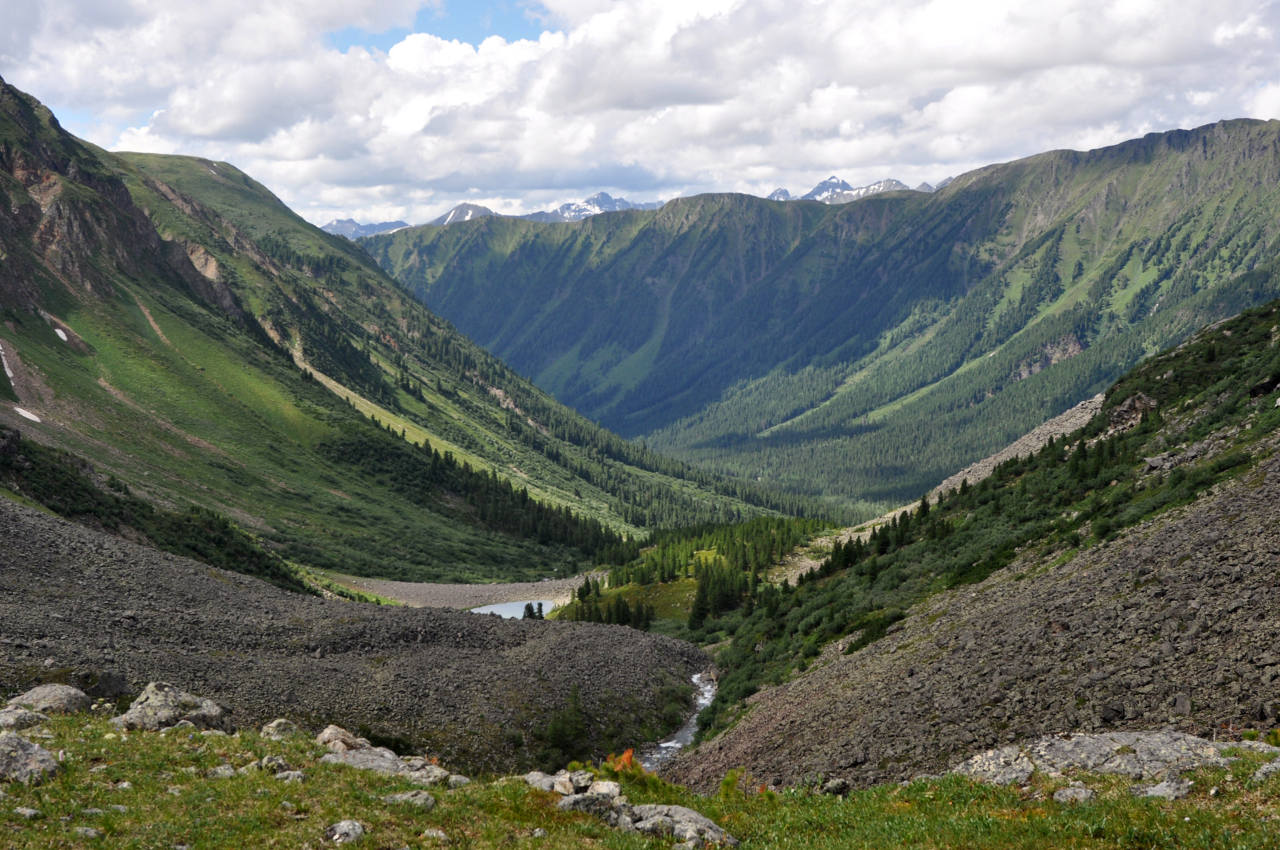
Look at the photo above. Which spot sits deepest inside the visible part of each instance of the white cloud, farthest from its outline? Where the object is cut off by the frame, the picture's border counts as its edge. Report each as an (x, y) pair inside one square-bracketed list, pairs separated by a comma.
[(648, 98)]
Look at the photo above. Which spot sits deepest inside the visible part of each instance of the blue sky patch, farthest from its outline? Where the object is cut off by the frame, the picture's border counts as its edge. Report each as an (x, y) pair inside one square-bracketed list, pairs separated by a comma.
[(471, 22)]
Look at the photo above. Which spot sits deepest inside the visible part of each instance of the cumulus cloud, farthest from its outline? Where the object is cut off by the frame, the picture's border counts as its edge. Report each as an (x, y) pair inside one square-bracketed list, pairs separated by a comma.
[(648, 98)]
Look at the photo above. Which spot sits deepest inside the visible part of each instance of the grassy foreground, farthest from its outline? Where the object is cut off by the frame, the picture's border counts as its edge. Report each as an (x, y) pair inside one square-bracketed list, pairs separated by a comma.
[(151, 790)]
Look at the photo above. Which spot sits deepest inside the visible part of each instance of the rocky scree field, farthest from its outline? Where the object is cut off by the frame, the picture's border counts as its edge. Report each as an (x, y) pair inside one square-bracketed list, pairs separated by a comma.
[(483, 692), (1148, 603)]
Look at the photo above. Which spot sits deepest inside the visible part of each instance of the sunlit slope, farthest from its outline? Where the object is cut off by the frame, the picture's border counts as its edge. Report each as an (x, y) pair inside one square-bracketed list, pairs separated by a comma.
[(170, 320)]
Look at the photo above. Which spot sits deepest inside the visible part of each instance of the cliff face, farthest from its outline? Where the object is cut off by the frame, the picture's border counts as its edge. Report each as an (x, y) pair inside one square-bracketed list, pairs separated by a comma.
[(71, 223)]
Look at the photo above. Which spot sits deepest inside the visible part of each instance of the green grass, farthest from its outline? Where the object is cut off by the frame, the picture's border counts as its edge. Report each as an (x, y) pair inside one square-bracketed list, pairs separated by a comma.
[(171, 801), (863, 352)]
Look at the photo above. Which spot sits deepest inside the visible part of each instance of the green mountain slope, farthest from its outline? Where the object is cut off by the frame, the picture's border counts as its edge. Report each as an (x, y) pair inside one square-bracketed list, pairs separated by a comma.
[(1122, 577), (869, 349), (170, 320)]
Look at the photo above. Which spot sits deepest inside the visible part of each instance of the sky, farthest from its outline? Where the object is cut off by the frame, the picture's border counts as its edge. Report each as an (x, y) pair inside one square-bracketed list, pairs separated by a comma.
[(400, 109)]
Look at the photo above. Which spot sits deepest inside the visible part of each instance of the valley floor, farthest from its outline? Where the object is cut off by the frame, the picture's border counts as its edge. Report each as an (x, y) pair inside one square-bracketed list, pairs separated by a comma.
[(463, 596)]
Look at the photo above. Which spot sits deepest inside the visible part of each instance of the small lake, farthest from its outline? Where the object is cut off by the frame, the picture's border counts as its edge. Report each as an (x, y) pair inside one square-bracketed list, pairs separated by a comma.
[(653, 758), (514, 610)]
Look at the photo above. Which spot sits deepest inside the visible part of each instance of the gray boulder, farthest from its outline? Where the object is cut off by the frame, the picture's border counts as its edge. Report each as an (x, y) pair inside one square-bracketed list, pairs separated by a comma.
[(53, 699), (686, 824), (836, 787), (599, 805), (659, 825), (377, 759), (605, 787), (1073, 794), (430, 774), (23, 761), (418, 798), (382, 760), (344, 832), (14, 718), (540, 781), (279, 729), (339, 740), (161, 705), (1170, 789)]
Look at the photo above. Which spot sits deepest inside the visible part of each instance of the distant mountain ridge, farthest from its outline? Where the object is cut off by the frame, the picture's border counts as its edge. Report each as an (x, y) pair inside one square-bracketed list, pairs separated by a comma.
[(833, 190), (869, 349), (352, 229), (462, 212), (601, 202)]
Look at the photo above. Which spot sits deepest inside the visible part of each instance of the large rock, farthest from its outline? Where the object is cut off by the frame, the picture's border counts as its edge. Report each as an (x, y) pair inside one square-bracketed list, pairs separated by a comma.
[(605, 801), (1141, 755), (23, 761), (377, 759), (686, 824), (53, 699), (14, 718), (161, 705), (419, 798), (279, 729), (358, 753), (339, 740), (344, 832)]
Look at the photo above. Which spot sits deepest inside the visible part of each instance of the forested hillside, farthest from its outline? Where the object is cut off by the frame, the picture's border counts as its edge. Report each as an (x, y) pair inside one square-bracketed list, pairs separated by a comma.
[(1086, 586), (867, 350), (169, 320)]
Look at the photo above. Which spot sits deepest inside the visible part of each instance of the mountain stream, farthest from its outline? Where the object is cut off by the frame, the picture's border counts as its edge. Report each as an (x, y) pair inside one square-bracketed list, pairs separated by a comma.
[(654, 757)]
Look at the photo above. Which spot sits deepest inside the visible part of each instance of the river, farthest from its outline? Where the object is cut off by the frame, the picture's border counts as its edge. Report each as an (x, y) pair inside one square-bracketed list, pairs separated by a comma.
[(654, 757)]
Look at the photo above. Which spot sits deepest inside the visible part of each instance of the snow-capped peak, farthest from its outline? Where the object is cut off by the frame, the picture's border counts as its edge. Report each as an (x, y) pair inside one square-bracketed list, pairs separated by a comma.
[(463, 212), (833, 190)]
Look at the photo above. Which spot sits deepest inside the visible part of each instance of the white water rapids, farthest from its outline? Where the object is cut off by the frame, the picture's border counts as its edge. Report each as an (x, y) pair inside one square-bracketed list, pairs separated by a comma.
[(653, 758)]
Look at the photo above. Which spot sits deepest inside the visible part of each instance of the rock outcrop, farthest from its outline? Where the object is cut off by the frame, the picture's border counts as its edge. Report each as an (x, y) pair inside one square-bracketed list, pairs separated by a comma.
[(161, 705), (53, 698), (23, 761), (1140, 755), (581, 792)]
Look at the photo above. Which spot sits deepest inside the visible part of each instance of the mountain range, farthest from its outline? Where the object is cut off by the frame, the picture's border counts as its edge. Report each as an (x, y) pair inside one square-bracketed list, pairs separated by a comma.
[(192, 367), (867, 350), (353, 229), (169, 321)]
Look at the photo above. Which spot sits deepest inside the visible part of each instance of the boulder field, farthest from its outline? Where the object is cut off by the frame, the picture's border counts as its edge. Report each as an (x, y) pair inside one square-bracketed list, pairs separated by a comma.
[(1171, 625), (99, 612)]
